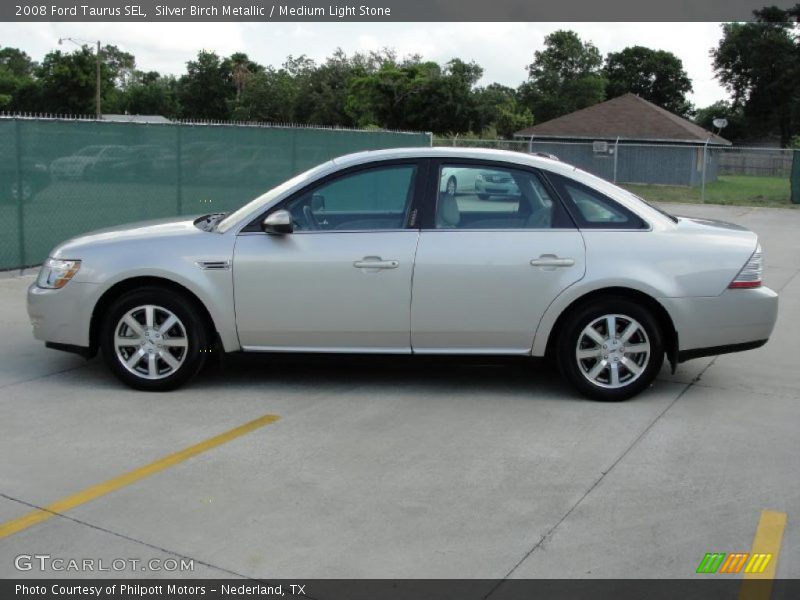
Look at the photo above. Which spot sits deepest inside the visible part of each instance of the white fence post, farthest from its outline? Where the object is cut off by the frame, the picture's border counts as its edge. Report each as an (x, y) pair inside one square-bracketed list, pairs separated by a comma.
[(703, 183)]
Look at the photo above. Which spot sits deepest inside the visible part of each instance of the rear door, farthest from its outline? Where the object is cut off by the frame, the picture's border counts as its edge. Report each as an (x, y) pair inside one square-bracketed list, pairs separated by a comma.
[(490, 260)]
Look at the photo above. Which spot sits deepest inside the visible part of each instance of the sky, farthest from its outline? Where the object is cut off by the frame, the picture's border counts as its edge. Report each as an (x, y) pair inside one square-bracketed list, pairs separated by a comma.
[(502, 49)]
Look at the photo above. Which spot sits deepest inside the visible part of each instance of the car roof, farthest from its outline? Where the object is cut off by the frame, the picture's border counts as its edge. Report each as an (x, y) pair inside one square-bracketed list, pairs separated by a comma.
[(453, 153)]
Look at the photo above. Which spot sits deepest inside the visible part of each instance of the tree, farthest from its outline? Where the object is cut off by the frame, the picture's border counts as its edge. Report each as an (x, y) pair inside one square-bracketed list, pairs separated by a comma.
[(564, 77), (416, 95), (324, 90), (68, 82), (498, 109), (206, 88), (16, 62), (722, 109), (16, 71), (240, 69), (268, 96), (759, 64), (150, 93), (655, 75), (120, 65)]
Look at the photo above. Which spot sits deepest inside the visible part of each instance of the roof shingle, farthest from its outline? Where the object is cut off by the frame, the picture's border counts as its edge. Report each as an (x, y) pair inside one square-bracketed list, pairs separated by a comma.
[(628, 117)]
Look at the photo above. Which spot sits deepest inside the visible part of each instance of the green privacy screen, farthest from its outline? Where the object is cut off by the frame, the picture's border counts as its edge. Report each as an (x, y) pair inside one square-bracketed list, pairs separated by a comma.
[(61, 178)]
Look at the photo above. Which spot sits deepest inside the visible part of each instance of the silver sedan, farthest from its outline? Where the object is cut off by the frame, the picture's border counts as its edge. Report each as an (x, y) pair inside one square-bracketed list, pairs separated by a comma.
[(368, 253)]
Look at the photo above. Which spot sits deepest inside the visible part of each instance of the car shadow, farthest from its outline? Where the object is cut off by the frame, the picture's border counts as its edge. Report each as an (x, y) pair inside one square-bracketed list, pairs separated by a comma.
[(522, 373)]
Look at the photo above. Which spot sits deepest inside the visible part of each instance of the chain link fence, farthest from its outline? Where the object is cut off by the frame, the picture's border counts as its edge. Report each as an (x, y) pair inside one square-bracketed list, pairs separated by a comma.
[(674, 172), (63, 177)]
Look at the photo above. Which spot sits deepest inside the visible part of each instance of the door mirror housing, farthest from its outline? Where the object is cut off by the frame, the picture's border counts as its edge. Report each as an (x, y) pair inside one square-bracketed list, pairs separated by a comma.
[(278, 223)]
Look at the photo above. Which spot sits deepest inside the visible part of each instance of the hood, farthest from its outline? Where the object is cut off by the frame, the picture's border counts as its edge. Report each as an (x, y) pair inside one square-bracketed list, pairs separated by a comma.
[(143, 231)]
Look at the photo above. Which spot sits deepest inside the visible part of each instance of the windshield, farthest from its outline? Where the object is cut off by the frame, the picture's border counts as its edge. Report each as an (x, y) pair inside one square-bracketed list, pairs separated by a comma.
[(252, 207)]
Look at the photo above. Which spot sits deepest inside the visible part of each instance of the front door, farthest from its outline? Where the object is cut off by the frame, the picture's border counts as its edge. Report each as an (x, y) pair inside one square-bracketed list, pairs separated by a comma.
[(342, 280)]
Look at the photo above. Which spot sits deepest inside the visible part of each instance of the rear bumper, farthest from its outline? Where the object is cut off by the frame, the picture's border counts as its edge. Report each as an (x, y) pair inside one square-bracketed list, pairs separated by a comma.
[(733, 321), (685, 355)]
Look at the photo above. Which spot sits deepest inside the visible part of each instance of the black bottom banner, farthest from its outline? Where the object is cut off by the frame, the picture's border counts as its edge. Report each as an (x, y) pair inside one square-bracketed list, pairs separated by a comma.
[(403, 589)]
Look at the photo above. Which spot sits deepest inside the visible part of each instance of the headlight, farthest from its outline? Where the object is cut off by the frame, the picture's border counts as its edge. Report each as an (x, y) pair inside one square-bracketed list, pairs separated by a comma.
[(56, 273)]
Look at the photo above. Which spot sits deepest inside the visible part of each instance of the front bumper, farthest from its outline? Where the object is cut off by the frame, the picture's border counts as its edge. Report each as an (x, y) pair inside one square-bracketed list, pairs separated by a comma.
[(743, 318), (62, 317)]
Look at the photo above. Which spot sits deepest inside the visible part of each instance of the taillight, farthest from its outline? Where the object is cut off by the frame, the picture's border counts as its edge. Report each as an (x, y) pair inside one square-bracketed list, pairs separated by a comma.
[(751, 273)]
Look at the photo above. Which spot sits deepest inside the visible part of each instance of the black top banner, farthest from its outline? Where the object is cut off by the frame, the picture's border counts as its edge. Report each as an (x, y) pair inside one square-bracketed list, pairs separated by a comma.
[(386, 10)]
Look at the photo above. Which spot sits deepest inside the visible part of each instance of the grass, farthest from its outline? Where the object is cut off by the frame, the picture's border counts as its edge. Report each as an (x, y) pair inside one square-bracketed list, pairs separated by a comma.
[(737, 190)]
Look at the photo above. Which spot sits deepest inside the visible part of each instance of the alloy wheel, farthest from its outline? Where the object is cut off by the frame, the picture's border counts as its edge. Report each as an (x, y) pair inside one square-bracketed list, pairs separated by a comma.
[(613, 351), (151, 342)]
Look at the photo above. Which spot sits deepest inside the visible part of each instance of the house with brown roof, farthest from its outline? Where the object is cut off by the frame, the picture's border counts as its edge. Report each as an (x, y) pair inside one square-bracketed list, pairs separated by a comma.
[(630, 140)]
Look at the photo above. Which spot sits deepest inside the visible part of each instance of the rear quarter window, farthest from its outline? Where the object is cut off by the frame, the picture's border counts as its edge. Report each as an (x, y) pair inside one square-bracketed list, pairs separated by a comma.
[(593, 210)]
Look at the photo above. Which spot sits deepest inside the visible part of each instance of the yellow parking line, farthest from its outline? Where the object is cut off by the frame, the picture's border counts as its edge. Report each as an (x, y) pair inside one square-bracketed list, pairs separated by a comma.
[(767, 542), (60, 506)]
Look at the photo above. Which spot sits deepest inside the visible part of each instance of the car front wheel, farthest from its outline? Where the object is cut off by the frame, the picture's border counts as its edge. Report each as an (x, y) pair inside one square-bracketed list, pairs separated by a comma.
[(154, 339), (610, 350)]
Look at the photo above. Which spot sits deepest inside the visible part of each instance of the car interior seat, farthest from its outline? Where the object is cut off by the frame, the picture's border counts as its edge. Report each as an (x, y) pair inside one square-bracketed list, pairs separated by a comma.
[(447, 214)]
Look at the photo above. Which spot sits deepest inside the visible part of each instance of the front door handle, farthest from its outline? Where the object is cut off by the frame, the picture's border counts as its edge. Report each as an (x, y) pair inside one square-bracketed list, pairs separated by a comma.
[(376, 262), (551, 260)]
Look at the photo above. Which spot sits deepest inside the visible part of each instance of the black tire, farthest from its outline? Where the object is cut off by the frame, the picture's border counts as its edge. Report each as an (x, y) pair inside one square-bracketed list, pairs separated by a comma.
[(483, 196), (625, 313), (196, 338)]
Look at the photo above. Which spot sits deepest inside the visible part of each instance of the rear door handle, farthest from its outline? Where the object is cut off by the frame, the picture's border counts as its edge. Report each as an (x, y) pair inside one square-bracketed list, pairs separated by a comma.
[(376, 262), (551, 260)]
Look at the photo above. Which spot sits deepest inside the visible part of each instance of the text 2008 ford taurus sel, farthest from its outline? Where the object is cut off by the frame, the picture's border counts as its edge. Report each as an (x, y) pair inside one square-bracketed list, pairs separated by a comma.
[(382, 252)]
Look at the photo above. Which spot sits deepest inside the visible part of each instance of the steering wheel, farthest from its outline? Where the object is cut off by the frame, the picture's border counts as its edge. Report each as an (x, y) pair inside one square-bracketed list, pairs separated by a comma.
[(311, 220)]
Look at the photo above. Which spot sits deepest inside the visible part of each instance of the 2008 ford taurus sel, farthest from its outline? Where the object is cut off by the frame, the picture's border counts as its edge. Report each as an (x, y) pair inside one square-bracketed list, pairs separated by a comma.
[(424, 251)]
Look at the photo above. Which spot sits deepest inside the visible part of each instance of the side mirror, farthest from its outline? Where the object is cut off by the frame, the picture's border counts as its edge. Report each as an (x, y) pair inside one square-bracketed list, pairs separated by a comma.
[(278, 223)]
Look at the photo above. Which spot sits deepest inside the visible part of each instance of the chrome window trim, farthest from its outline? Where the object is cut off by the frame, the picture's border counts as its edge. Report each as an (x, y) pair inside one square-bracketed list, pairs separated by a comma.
[(500, 230), (320, 231)]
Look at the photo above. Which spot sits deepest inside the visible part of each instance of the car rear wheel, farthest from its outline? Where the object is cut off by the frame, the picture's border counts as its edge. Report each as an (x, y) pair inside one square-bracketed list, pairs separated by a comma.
[(611, 349), (154, 339)]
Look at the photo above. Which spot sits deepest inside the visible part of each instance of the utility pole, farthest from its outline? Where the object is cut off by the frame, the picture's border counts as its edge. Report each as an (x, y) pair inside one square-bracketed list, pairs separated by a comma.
[(98, 110)]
